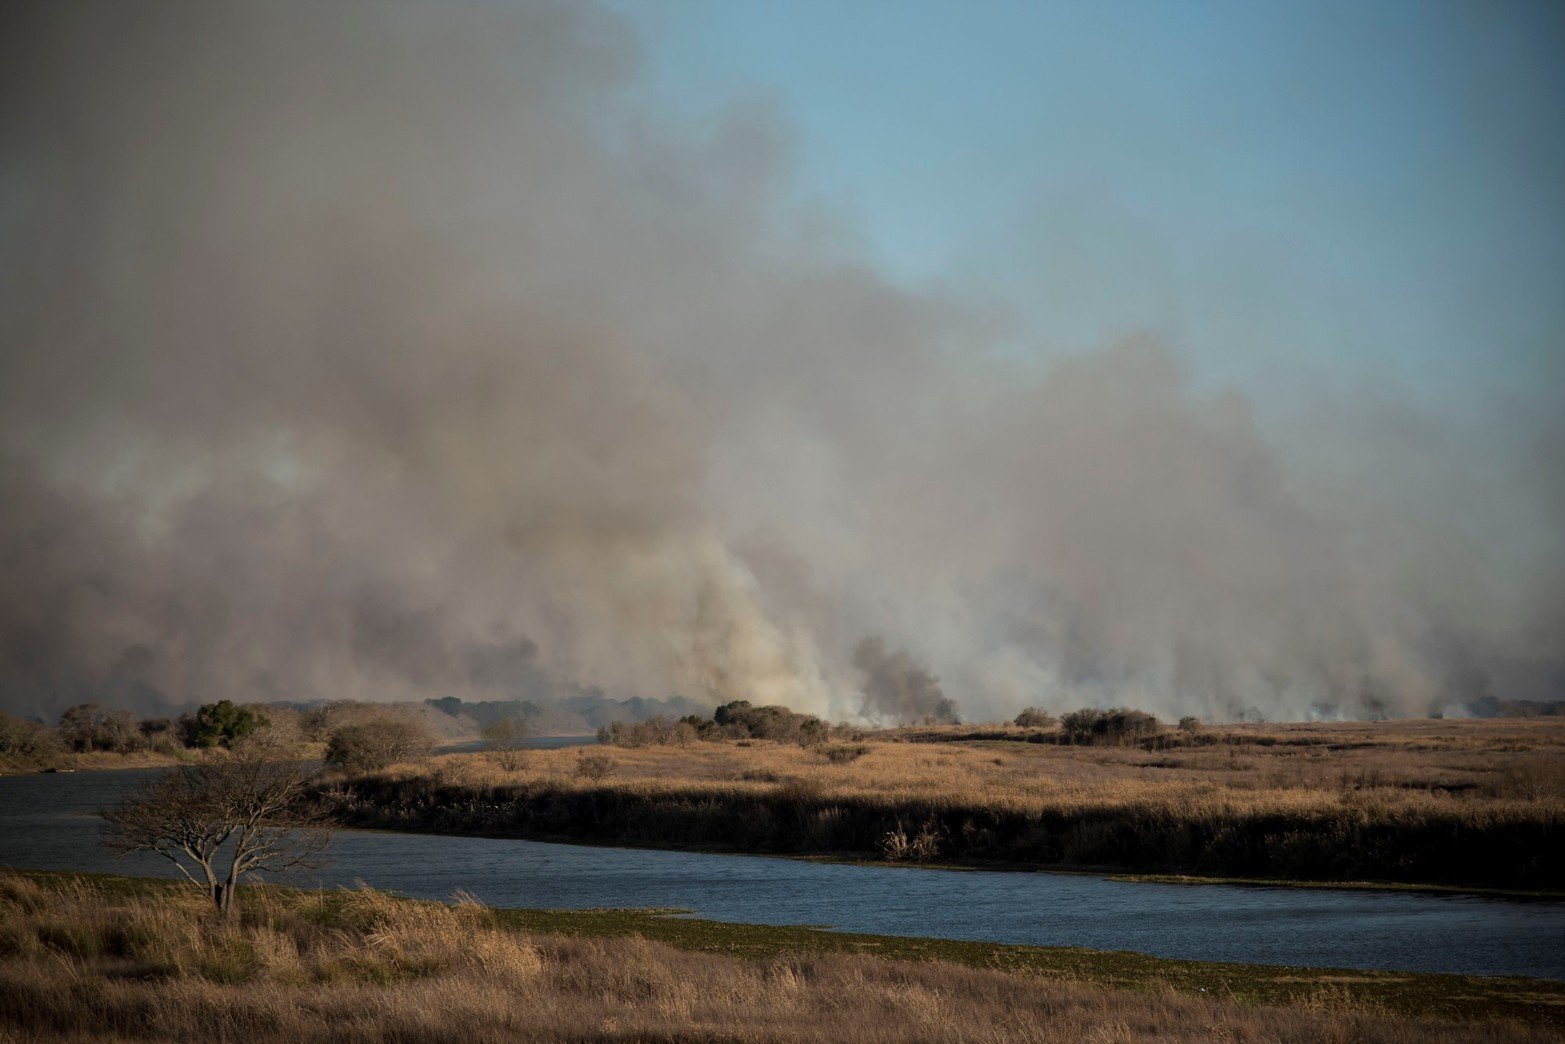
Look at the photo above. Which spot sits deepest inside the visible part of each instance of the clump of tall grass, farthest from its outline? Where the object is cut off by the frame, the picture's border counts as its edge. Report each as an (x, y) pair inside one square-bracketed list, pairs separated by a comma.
[(919, 844), (593, 765), (358, 935), (845, 753)]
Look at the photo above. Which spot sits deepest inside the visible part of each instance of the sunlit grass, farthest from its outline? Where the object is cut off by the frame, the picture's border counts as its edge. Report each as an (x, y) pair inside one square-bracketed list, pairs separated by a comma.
[(1460, 803), (115, 958)]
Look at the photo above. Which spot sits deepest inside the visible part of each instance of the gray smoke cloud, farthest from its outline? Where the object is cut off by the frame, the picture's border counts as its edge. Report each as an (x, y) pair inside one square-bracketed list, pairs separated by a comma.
[(897, 688), (384, 351)]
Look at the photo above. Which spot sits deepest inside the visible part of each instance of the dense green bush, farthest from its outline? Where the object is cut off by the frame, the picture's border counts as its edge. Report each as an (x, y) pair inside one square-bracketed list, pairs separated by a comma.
[(737, 720), (742, 721), (224, 723), (1034, 718), (1114, 725)]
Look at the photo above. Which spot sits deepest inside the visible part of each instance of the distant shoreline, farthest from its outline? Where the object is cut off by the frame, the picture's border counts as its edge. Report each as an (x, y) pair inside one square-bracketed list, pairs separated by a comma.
[(1388, 806)]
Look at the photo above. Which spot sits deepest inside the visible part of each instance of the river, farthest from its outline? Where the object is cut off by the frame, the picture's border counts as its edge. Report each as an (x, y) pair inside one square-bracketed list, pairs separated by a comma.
[(47, 822)]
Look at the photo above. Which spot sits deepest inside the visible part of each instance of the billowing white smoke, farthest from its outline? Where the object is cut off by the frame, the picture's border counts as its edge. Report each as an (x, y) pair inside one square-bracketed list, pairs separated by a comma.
[(387, 352)]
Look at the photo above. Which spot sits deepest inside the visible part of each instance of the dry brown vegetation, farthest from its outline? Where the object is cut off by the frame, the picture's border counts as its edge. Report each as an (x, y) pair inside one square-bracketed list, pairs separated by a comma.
[(97, 759), (91, 736), (1471, 803), (102, 959)]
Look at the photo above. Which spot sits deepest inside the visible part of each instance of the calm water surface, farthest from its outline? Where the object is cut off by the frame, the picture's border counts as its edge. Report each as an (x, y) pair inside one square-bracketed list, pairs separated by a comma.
[(47, 822)]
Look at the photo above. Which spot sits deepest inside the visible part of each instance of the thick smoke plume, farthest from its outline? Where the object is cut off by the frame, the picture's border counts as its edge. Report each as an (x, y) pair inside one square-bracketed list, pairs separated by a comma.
[(897, 688), (371, 351)]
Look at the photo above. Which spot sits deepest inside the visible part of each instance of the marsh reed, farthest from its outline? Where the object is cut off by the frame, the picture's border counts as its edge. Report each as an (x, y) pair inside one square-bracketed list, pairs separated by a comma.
[(1476, 804)]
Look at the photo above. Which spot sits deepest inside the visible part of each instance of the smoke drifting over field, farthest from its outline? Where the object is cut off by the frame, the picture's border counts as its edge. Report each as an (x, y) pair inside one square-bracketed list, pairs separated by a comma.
[(897, 689), (358, 351)]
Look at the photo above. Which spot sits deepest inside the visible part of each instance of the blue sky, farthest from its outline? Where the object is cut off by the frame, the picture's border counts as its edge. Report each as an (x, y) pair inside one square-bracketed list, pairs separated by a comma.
[(1284, 193)]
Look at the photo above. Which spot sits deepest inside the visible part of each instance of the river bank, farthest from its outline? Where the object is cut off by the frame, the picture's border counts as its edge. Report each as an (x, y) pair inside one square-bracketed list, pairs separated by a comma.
[(1449, 806), (99, 956), (49, 822), (92, 761)]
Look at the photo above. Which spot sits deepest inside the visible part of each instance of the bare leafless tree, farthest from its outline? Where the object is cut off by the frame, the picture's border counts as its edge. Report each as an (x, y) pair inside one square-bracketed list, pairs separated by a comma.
[(506, 738), (224, 819)]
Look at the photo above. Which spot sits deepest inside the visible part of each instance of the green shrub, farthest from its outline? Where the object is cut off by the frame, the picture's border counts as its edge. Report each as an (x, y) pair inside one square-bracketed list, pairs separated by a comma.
[(1114, 725), (739, 720), (224, 723)]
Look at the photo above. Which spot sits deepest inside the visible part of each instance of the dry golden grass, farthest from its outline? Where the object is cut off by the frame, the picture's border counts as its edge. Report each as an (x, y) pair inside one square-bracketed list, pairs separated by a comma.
[(1372, 789), (1510, 761), (88, 960)]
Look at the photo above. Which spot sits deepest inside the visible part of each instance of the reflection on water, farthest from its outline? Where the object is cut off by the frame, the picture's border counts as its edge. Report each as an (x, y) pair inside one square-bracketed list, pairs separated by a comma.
[(46, 822)]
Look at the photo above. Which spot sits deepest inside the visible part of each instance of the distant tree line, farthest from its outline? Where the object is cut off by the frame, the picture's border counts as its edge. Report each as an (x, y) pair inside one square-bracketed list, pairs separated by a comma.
[(1489, 707), (354, 736), (741, 721), (485, 712), (589, 706), (738, 720), (89, 727)]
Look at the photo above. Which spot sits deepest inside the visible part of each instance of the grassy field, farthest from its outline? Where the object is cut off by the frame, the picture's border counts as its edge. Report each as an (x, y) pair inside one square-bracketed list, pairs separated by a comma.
[(101, 958), (111, 761), (1477, 804)]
